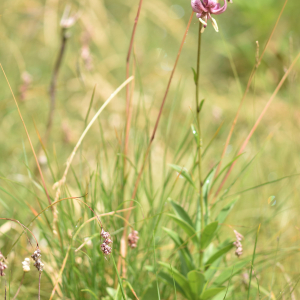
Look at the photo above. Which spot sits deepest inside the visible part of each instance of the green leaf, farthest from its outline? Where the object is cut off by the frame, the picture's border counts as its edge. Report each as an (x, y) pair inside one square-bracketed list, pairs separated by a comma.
[(119, 278), (214, 267), (183, 249), (195, 75), (168, 279), (201, 104), (181, 213), (252, 263), (179, 278), (184, 173), (211, 292), (227, 272), (195, 134), (218, 254), (225, 211), (196, 282), (188, 229), (208, 234)]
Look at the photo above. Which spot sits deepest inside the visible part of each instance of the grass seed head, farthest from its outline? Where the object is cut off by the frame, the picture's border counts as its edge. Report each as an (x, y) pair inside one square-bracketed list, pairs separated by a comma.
[(133, 238), (3, 266), (36, 256), (26, 264), (105, 248), (238, 245)]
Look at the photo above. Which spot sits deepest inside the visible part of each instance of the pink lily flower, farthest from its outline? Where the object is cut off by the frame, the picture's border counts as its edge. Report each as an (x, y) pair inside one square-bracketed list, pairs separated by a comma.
[(205, 8)]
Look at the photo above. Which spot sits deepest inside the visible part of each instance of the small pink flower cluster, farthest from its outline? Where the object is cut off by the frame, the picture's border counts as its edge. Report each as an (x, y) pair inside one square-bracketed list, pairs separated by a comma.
[(36, 256), (133, 238), (3, 266), (105, 248), (238, 244)]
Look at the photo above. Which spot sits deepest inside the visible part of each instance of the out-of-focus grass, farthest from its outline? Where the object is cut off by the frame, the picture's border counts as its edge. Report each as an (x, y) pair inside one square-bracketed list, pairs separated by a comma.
[(30, 37)]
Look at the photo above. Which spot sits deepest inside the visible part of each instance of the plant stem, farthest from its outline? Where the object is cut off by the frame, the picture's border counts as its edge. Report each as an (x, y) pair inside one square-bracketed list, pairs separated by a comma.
[(17, 293), (52, 89), (39, 295), (199, 146)]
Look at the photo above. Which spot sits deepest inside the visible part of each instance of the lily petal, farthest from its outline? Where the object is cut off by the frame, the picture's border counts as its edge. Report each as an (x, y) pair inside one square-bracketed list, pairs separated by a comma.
[(219, 10), (197, 6)]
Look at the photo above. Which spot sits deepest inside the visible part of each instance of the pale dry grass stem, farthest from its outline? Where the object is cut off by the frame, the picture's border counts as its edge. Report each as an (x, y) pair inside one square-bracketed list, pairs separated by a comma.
[(59, 184)]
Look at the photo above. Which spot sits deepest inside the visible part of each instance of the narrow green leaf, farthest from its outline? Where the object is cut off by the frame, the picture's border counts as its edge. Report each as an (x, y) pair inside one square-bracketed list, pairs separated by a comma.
[(184, 174), (208, 234), (168, 279), (195, 75), (119, 278), (181, 213), (183, 249), (212, 270), (211, 292), (252, 263), (158, 293), (225, 211), (195, 134), (218, 254), (196, 282), (188, 229), (179, 278), (201, 104), (227, 272), (175, 293)]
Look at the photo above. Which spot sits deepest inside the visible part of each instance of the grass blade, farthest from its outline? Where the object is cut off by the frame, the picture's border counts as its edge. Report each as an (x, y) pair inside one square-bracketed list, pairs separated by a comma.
[(252, 263)]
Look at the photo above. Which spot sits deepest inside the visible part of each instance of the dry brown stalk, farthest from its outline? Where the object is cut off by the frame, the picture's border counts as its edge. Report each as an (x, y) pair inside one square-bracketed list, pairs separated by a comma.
[(258, 120), (123, 247), (258, 62), (129, 97), (52, 89)]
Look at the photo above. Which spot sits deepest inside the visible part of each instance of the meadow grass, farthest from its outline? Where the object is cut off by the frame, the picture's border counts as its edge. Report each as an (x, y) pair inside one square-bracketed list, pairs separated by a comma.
[(134, 159)]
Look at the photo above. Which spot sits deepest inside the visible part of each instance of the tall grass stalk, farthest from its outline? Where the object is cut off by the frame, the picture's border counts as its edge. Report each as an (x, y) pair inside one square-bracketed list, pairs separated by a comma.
[(252, 262), (128, 95), (199, 146)]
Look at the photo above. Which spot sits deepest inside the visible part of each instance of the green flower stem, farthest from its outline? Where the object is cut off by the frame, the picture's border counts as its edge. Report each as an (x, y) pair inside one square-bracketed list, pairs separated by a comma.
[(199, 146)]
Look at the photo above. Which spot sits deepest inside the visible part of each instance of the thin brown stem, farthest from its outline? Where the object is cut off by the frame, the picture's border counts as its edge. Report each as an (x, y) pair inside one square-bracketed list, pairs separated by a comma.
[(123, 248), (258, 121), (128, 96), (24, 227), (247, 89), (39, 294), (21, 283), (53, 84)]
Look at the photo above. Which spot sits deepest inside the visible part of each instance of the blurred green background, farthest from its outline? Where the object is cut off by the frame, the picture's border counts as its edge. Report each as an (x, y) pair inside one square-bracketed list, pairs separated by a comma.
[(30, 41)]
